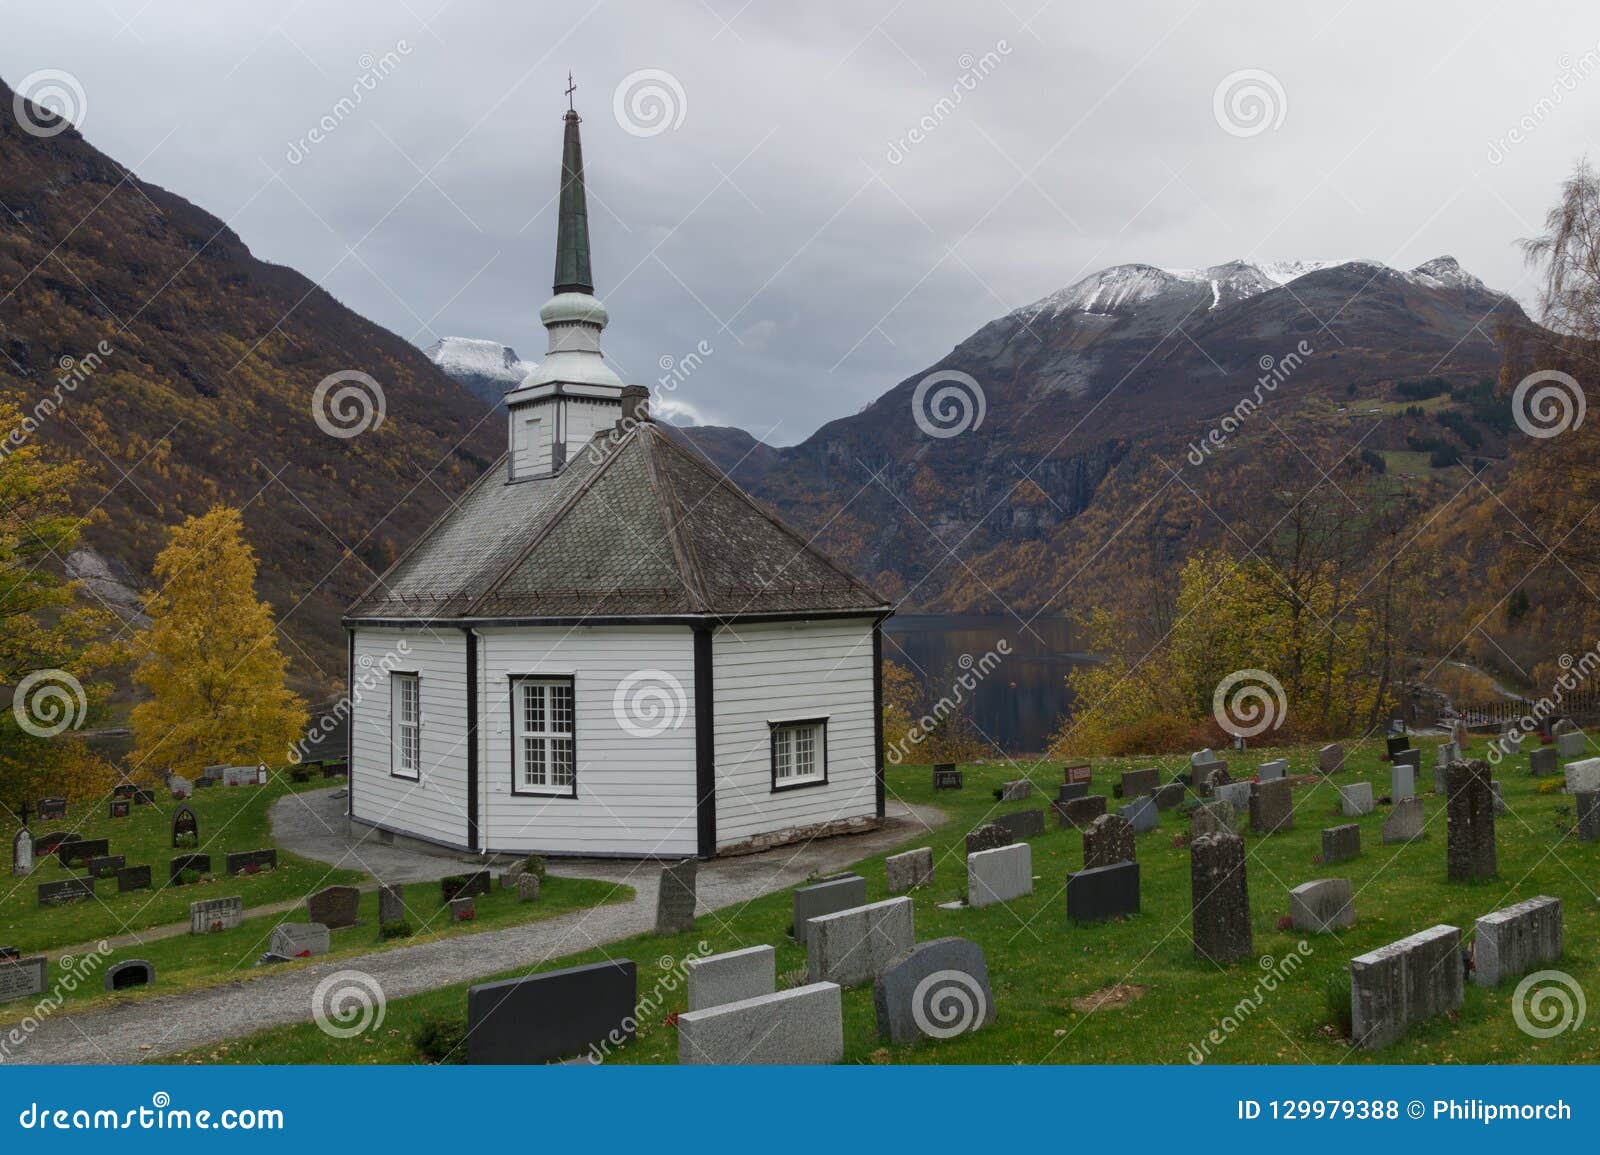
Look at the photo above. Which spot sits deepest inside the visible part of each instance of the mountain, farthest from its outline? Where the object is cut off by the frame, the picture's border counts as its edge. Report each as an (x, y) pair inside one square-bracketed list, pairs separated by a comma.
[(486, 368), (186, 370)]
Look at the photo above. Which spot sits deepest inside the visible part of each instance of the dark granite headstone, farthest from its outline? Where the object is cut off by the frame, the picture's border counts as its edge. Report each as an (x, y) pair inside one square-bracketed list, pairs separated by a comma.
[(133, 972), (1271, 806), (335, 769), (1021, 823), (462, 886), (204, 783), (50, 843), (133, 878), (1341, 843), (185, 826), (122, 790), (1408, 757), (1469, 813), (106, 865), (118, 808), (52, 808), (1137, 782), (1544, 761), (1170, 796), (1071, 790), (1330, 759), (675, 897), (251, 861), (1107, 841), (65, 891), (334, 907), (184, 863), (143, 797), (938, 990), (1221, 898), (1103, 892), (78, 851), (1079, 812), (989, 837), (829, 896), (946, 776), (391, 905), (1394, 744), (1588, 817), (551, 1016)]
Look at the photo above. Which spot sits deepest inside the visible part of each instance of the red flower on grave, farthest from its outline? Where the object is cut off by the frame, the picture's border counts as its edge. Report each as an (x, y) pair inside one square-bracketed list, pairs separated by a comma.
[(671, 1020), (304, 954), (252, 868), (1286, 923)]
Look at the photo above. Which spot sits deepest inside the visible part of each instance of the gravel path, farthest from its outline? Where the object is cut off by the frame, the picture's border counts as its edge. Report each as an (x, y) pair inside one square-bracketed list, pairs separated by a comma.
[(144, 1028)]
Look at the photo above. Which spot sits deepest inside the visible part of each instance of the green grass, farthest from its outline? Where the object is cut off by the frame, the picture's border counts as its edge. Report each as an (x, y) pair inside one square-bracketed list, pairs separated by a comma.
[(1038, 964), (231, 819), (189, 961)]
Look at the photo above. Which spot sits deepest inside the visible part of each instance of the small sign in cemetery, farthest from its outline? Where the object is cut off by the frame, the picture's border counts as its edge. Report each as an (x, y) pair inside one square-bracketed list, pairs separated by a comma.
[(22, 978), (554, 1015), (946, 776), (210, 915)]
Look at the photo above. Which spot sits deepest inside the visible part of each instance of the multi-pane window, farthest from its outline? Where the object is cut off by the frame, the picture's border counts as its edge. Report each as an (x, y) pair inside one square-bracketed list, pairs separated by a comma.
[(405, 717), (798, 753), (543, 736)]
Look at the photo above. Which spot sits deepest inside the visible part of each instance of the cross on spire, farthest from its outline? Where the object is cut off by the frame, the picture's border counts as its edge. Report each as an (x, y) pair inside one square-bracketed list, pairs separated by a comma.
[(571, 88)]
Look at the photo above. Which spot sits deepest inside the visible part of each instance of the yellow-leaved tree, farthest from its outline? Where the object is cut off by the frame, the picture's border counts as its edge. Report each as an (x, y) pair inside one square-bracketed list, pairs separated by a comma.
[(210, 658)]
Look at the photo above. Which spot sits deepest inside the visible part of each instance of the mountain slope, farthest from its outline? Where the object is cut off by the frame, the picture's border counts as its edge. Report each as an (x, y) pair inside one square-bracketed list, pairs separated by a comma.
[(487, 369), (185, 370)]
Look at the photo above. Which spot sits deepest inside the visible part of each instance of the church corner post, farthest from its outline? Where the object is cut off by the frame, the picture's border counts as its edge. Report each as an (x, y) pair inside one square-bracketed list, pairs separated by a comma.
[(705, 752), (877, 715)]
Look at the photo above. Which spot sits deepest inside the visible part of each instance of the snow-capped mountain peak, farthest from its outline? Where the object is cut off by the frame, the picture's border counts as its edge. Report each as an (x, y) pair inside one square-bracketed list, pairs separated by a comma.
[(486, 368)]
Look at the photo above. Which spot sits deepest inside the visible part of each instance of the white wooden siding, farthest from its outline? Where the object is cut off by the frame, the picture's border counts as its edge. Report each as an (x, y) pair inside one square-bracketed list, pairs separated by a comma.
[(434, 806), (792, 670), (635, 794)]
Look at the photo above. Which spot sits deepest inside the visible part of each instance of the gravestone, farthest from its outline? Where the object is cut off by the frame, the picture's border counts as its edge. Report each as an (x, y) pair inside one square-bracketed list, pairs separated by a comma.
[(1021, 823), (122, 790), (936, 990), (1221, 898), (851, 947), (1405, 822), (1330, 759), (675, 897), (1588, 816), (185, 826), (1572, 744), (1201, 757), (391, 904), (210, 915), (999, 875), (244, 775), (299, 940), (143, 797), (50, 843), (988, 837), (251, 861), (1341, 843), (65, 891), (1394, 744), (844, 892), (133, 972), (1236, 794), (22, 978), (464, 885), (1103, 892), (52, 808), (107, 865), (1271, 807), (1168, 797), (1214, 817), (1080, 812), (180, 786), (1015, 791), (133, 878), (553, 1015), (529, 885), (804, 1025), (1459, 735), (22, 853), (1271, 771), (1070, 790), (1108, 840), (1211, 780), (1077, 774), (732, 977), (1509, 943), (118, 808), (1444, 754), (1404, 983), (463, 909), (1139, 782), (78, 851), (946, 776), (1469, 813), (1402, 781), (1583, 777), (1355, 800), (334, 907), (1544, 762), (1322, 906), (1408, 757), (204, 783), (183, 864), (910, 870), (1141, 814)]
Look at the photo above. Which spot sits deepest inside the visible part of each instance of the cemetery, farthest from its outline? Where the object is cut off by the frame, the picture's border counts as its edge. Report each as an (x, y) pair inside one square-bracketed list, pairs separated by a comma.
[(1038, 923)]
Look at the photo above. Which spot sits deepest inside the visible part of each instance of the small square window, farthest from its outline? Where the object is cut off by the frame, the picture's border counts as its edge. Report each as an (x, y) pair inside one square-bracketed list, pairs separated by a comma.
[(799, 753)]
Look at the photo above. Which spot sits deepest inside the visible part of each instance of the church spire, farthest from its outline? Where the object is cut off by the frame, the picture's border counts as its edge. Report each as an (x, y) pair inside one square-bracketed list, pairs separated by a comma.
[(572, 226)]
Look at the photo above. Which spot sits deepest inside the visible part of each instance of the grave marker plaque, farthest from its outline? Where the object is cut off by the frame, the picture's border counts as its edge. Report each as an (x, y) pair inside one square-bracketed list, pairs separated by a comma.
[(185, 863), (21, 978), (65, 891), (78, 851), (117, 808), (133, 878), (210, 915), (185, 827), (52, 808), (552, 1015), (946, 777)]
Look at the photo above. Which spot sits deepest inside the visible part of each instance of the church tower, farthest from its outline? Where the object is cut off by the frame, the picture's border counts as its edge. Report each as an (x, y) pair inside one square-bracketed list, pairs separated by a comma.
[(573, 393)]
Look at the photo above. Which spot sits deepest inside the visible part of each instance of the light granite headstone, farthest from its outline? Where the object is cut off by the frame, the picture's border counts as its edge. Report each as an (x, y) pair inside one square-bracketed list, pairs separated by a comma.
[(1404, 983), (1341, 843), (215, 914), (1236, 794), (1509, 943), (1405, 822), (851, 947), (999, 875), (802, 1025), (299, 939), (1544, 761), (1402, 781), (1141, 814), (1356, 799), (1572, 744), (910, 870), (1583, 777), (22, 853), (529, 885), (1588, 817), (731, 977), (1269, 771), (1323, 905), (1015, 791), (22, 978)]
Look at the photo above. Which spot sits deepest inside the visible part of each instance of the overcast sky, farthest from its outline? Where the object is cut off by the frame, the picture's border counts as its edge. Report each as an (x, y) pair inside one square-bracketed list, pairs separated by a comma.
[(781, 212)]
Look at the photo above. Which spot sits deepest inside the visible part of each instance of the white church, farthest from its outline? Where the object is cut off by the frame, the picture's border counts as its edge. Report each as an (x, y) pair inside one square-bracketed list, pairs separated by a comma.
[(609, 648)]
